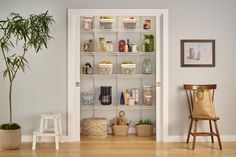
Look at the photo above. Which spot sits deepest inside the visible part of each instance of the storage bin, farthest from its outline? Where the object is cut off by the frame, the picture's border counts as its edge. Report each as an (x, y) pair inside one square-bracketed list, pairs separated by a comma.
[(144, 130), (129, 23), (120, 130), (94, 127), (106, 23), (105, 69), (128, 68)]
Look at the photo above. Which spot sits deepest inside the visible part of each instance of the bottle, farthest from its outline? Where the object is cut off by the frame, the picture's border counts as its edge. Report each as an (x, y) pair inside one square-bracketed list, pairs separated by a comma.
[(122, 99), (126, 49), (127, 97), (122, 46), (129, 46), (90, 48)]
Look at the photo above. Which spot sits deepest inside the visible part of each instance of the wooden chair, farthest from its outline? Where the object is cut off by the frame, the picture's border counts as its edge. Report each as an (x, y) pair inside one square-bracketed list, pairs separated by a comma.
[(189, 92)]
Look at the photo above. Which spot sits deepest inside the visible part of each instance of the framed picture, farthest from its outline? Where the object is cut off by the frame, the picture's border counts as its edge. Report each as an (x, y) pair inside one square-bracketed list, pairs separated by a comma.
[(197, 53)]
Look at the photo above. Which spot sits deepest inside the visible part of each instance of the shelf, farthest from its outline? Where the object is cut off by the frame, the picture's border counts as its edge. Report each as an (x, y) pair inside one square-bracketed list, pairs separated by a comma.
[(114, 107), (117, 30), (118, 53), (118, 76)]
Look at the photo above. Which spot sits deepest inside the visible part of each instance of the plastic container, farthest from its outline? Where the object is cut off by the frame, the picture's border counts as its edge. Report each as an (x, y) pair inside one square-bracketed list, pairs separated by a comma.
[(129, 23), (106, 23), (87, 22), (105, 69), (128, 68)]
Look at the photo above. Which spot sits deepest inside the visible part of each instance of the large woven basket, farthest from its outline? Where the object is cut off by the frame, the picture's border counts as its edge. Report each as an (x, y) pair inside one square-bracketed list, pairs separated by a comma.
[(120, 130), (144, 130), (94, 127)]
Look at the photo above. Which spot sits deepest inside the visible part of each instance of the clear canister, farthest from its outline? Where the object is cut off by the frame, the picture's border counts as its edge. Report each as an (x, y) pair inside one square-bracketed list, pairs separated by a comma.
[(134, 47), (101, 45), (87, 22), (109, 46)]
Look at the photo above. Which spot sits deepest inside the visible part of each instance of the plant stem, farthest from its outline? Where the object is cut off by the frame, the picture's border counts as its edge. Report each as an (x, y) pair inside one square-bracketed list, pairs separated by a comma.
[(10, 102)]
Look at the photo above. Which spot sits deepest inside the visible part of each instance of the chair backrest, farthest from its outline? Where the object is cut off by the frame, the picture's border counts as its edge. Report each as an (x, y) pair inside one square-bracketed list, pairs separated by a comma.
[(189, 88)]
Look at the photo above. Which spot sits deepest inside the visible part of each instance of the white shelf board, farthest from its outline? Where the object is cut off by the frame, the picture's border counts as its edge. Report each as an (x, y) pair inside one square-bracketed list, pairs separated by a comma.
[(117, 76), (115, 107), (118, 53), (118, 30)]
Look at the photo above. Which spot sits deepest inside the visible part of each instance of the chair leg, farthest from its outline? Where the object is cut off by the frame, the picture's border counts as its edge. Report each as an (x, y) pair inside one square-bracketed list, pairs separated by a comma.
[(212, 136), (189, 130), (218, 134), (194, 134), (34, 142)]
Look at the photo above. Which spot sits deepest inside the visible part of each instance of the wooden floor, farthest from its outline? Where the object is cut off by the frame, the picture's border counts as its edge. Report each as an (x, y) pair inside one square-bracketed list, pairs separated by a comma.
[(131, 146)]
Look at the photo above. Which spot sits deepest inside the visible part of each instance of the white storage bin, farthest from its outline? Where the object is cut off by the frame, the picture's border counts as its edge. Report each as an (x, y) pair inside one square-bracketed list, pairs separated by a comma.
[(106, 23), (129, 23), (128, 68), (105, 68)]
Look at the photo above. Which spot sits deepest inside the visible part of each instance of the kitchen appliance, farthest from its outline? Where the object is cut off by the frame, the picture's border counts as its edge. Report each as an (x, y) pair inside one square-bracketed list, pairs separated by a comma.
[(105, 95)]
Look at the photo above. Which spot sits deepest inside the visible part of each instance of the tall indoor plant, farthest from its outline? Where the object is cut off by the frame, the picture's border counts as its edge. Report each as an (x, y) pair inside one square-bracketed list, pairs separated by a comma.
[(17, 36)]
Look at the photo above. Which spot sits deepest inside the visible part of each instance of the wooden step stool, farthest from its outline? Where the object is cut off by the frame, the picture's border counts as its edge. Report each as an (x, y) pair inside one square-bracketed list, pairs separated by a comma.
[(44, 130)]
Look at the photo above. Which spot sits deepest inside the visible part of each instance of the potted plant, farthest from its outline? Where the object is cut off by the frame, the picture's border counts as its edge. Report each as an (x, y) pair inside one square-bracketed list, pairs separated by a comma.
[(17, 36), (144, 128)]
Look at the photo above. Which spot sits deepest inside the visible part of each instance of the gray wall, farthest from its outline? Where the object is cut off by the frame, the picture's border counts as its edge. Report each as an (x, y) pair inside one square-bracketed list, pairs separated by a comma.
[(43, 87)]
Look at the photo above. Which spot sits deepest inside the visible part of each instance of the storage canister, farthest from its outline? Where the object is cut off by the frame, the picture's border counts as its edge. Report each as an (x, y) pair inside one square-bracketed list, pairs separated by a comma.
[(134, 47)]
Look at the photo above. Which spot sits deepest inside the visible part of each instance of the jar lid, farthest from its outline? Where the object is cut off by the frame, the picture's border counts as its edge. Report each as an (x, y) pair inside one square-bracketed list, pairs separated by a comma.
[(109, 41)]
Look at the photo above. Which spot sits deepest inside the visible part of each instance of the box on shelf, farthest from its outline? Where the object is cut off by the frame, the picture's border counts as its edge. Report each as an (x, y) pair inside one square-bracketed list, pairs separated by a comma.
[(130, 23), (94, 127), (105, 68), (106, 23), (120, 130), (128, 68)]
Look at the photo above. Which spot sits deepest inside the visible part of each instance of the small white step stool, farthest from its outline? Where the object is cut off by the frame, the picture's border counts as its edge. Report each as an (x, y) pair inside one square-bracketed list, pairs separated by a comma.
[(44, 130)]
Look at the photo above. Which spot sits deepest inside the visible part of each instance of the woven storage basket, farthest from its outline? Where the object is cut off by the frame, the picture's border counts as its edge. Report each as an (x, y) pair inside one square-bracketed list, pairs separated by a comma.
[(120, 130), (144, 130), (94, 127)]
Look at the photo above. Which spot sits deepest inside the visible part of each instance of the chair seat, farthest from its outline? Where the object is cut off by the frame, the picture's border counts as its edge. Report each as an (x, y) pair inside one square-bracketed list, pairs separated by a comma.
[(204, 118)]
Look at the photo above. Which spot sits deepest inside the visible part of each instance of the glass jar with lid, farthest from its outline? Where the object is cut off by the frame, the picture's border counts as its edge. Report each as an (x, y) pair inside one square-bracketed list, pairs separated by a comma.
[(87, 22), (109, 46), (134, 47), (101, 45), (147, 66)]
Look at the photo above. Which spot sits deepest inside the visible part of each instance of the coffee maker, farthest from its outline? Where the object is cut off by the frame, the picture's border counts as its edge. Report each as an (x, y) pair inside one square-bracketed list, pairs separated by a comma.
[(106, 95)]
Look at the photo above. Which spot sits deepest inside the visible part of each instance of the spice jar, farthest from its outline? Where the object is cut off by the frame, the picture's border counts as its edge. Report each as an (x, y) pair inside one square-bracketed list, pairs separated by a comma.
[(101, 45), (109, 46), (134, 47)]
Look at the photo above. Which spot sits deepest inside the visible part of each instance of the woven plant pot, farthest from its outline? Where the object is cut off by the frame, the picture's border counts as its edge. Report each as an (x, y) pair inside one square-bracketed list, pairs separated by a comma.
[(10, 139), (120, 130), (144, 130)]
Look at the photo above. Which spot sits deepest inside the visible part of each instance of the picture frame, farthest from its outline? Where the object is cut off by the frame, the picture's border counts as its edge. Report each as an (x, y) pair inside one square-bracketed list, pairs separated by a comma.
[(197, 53)]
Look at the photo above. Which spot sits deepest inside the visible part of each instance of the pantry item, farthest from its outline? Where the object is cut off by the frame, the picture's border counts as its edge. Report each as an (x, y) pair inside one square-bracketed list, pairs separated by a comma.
[(130, 23), (105, 95), (129, 46), (135, 95), (90, 48), (147, 95), (105, 67), (134, 47), (87, 98), (87, 22), (101, 45), (149, 42), (106, 22), (87, 68), (122, 99), (147, 66), (128, 67), (127, 95), (131, 101), (121, 46), (147, 24), (109, 46), (86, 47)]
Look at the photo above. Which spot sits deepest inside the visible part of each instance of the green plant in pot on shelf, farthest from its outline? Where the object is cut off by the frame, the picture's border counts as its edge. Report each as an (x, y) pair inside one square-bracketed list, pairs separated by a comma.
[(144, 128), (18, 35)]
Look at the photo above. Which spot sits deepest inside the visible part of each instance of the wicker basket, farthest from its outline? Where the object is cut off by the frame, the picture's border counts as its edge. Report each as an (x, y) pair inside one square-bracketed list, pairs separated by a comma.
[(120, 130), (94, 127), (144, 130)]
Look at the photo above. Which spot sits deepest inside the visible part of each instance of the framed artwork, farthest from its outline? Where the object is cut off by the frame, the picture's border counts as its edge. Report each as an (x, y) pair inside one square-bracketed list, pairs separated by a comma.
[(197, 53)]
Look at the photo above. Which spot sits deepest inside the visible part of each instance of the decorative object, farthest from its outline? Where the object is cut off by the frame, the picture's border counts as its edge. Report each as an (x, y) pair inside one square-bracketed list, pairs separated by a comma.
[(145, 128), (94, 127), (17, 36), (119, 125), (197, 53)]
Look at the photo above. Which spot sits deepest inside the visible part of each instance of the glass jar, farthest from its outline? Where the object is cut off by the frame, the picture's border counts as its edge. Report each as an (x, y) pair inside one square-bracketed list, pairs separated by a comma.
[(134, 47), (122, 46), (87, 23), (149, 43), (109, 46), (147, 95), (147, 66), (101, 45)]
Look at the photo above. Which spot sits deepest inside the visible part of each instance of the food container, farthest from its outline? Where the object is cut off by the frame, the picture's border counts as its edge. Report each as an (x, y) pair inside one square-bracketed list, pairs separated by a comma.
[(135, 94), (87, 22), (129, 23), (134, 47), (87, 98), (109, 46), (105, 69), (128, 68), (147, 66), (147, 101), (101, 45), (147, 95), (149, 42), (106, 23)]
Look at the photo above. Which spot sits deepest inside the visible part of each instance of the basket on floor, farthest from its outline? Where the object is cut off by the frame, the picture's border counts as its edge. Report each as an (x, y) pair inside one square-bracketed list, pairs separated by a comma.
[(94, 127), (144, 130), (120, 130)]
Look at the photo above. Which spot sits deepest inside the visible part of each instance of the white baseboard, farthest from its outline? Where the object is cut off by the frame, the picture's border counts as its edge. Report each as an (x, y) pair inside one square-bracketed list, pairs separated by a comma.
[(224, 138)]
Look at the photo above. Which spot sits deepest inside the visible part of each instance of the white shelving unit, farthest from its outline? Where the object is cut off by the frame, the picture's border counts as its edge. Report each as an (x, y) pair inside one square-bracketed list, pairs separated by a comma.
[(79, 82)]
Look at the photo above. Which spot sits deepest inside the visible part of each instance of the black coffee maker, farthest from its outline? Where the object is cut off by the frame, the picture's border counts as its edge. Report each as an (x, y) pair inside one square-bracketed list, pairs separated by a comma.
[(106, 95)]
